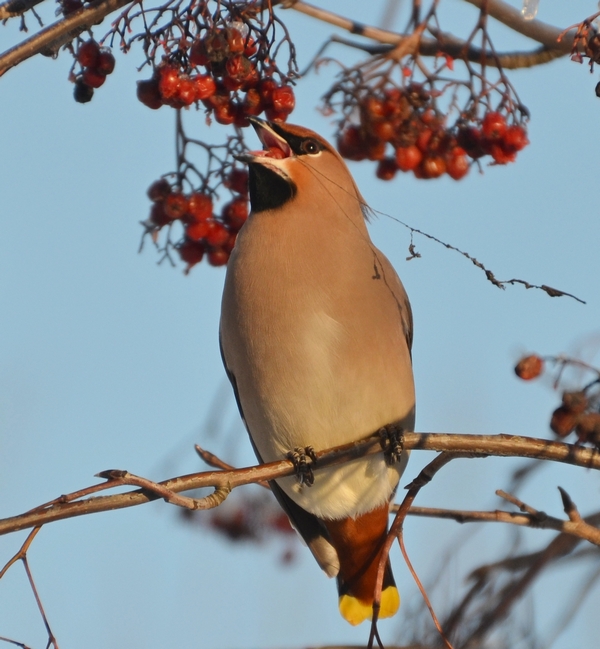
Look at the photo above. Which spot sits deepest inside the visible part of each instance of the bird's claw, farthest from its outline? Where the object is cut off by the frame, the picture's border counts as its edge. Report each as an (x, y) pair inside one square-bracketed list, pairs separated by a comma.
[(303, 460), (392, 442)]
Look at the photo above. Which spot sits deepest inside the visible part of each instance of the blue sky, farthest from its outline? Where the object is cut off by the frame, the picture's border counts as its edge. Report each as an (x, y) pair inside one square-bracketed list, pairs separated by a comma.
[(110, 361)]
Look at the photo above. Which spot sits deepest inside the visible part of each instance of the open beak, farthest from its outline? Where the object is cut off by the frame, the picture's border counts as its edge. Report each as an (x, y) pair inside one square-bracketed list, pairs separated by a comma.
[(274, 146)]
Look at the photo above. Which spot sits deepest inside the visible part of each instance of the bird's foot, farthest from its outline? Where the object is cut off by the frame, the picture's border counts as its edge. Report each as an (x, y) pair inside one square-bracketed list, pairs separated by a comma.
[(303, 459), (392, 442)]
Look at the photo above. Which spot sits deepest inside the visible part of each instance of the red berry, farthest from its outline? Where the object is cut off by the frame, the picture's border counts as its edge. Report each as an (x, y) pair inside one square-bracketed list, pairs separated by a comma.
[(168, 81), (106, 62), (252, 103), (93, 78), (529, 367), (199, 207), (204, 85), (423, 139), (386, 169), (276, 115), (238, 68), (500, 154), (225, 113), (266, 88), (283, 99), (515, 138), (217, 234), (198, 55), (218, 257), (149, 94), (186, 92), (457, 164), (235, 213), (88, 53), (493, 125), (409, 157), (235, 40), (191, 252), (237, 181), (159, 190), (373, 108), (197, 230), (383, 130), (230, 243), (351, 144), (175, 205), (250, 48), (433, 166), (375, 149)]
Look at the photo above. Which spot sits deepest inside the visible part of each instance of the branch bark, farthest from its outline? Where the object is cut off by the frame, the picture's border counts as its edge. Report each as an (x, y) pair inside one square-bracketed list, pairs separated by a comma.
[(475, 445)]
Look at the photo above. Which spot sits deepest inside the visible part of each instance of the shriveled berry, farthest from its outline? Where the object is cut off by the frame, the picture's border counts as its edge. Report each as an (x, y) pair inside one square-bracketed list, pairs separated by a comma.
[(199, 207), (158, 216), (198, 55), (149, 94), (386, 169), (470, 139), (82, 92), (588, 427), (529, 367), (204, 86), (563, 421), (252, 102), (106, 62), (238, 67), (235, 40), (493, 125), (283, 99), (576, 402), (175, 205), (216, 45), (251, 47), (159, 190), (168, 81), (88, 53), (407, 158)]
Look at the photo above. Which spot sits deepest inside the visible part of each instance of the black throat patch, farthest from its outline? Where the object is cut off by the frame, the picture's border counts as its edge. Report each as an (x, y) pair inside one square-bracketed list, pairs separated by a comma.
[(268, 190)]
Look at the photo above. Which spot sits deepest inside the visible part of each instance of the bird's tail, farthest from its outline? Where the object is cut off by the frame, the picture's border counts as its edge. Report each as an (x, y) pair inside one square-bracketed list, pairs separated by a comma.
[(359, 544)]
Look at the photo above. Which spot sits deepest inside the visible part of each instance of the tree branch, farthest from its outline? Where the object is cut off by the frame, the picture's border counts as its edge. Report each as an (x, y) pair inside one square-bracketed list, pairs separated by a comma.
[(50, 39), (474, 445)]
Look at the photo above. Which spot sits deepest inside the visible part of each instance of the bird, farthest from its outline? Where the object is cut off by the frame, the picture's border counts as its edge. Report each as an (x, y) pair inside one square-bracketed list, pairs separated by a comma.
[(316, 334)]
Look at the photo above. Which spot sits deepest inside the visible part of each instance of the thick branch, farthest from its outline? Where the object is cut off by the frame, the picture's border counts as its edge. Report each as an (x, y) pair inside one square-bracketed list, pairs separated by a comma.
[(547, 35), (543, 33), (476, 445), (50, 39)]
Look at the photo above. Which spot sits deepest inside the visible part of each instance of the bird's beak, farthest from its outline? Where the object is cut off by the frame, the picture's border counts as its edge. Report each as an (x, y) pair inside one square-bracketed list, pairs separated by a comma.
[(274, 146)]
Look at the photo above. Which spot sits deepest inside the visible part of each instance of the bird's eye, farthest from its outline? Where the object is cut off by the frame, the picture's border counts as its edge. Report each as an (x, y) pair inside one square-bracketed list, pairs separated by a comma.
[(310, 147)]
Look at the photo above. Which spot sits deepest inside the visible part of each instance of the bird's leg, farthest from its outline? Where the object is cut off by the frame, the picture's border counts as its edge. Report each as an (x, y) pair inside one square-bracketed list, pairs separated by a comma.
[(303, 459), (392, 442)]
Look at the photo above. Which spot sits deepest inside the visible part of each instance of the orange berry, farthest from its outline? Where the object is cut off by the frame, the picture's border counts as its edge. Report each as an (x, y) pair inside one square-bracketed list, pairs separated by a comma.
[(457, 164), (493, 125), (529, 367), (433, 166)]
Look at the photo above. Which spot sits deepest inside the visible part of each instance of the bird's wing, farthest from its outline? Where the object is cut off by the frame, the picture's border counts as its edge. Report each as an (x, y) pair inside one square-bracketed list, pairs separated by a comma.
[(308, 526)]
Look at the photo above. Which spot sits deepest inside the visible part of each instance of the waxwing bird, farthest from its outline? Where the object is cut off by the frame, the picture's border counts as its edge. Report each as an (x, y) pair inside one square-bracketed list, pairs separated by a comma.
[(316, 332)]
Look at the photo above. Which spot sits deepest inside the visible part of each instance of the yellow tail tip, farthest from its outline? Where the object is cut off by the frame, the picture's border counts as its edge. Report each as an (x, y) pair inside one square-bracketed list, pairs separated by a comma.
[(355, 611)]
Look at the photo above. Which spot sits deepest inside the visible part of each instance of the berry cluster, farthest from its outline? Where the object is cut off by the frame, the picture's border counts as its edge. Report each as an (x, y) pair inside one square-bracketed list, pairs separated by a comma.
[(230, 86), (405, 120), (578, 411), (205, 233), (96, 64)]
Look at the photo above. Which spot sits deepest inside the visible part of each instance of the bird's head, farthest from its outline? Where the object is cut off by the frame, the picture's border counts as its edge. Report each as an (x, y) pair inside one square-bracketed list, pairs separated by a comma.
[(296, 163)]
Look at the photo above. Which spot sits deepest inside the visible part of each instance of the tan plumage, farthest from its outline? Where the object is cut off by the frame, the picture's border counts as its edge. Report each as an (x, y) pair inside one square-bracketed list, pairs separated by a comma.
[(316, 332)]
